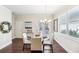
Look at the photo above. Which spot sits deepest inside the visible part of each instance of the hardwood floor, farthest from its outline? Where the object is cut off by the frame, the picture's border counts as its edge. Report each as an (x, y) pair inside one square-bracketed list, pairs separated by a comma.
[(17, 45), (57, 48)]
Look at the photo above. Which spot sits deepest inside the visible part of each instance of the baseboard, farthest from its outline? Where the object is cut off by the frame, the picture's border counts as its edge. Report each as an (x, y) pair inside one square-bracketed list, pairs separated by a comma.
[(1, 47), (67, 50)]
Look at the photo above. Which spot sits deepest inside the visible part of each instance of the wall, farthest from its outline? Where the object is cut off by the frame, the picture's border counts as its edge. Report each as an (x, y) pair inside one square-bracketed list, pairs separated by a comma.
[(5, 15), (20, 19), (63, 10), (13, 26), (69, 43)]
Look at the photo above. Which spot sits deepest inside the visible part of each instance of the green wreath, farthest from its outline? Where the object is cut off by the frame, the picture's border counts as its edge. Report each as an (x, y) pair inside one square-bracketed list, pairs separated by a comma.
[(5, 27)]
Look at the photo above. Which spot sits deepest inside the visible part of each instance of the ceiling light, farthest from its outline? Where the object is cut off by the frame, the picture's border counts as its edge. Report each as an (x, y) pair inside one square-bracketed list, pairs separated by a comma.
[(45, 19), (49, 21)]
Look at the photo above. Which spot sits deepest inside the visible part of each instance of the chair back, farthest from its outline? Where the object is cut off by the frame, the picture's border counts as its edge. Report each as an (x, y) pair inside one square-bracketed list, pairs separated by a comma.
[(51, 37), (41, 35), (24, 37)]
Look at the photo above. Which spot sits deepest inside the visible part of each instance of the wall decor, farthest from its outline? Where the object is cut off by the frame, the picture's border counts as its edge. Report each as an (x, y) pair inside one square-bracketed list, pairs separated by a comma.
[(28, 24), (0, 27), (5, 27)]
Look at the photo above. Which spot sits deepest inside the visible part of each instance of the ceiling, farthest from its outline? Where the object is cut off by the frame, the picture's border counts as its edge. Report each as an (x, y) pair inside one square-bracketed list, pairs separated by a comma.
[(37, 9)]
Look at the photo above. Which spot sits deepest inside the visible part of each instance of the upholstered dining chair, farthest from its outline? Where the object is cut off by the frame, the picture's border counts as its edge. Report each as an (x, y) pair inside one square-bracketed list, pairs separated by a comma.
[(26, 41), (48, 42)]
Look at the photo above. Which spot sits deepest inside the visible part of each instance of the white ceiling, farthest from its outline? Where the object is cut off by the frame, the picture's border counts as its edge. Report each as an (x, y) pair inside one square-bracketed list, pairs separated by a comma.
[(35, 9)]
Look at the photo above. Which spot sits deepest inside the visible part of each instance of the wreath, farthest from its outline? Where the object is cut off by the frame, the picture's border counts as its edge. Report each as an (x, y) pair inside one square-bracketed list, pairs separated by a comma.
[(5, 27)]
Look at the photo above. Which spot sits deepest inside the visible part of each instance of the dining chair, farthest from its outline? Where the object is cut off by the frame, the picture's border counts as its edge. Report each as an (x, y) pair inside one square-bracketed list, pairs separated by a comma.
[(48, 42), (26, 41)]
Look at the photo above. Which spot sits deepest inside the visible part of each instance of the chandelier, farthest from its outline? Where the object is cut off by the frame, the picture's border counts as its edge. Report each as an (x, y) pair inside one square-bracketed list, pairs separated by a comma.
[(46, 19)]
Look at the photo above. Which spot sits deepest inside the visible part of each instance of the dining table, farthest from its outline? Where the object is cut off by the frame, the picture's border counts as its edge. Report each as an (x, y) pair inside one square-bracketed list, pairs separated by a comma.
[(36, 45)]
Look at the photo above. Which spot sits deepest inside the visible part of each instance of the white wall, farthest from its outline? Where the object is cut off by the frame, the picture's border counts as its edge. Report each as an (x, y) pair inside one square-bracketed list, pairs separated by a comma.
[(5, 15), (20, 19), (63, 10), (13, 26), (69, 43)]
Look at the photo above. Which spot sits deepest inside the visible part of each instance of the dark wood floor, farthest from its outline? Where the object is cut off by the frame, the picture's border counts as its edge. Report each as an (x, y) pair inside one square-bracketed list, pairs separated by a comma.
[(17, 44), (57, 48)]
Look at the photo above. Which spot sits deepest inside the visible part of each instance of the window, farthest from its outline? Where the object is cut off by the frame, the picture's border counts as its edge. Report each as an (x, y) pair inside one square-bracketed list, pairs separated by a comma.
[(63, 28), (74, 29), (69, 23), (43, 27)]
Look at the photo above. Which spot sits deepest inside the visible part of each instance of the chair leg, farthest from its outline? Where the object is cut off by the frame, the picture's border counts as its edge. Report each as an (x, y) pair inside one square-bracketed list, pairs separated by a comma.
[(51, 48), (23, 46), (43, 47)]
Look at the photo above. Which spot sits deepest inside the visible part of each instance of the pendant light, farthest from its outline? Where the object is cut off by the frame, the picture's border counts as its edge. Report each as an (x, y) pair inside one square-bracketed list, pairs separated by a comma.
[(46, 19)]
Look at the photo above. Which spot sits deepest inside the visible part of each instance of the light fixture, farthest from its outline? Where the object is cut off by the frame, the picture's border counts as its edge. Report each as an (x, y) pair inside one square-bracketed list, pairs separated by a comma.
[(49, 21), (46, 20), (41, 20)]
